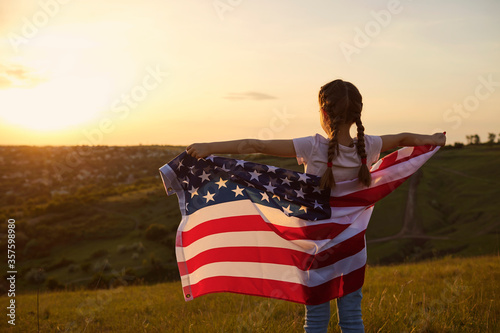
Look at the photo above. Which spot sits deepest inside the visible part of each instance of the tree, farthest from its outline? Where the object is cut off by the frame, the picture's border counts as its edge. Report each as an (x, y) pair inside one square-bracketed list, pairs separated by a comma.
[(469, 139), (491, 138), (475, 139)]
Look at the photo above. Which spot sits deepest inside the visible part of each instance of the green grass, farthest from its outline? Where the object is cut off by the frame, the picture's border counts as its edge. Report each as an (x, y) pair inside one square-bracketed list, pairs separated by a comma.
[(445, 295)]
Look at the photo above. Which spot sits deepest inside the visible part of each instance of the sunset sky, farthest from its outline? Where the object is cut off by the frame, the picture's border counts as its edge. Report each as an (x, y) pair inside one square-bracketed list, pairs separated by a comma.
[(123, 72)]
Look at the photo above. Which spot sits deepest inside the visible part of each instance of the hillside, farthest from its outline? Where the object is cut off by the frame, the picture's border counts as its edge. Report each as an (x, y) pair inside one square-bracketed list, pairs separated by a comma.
[(447, 296), (456, 210), (100, 214)]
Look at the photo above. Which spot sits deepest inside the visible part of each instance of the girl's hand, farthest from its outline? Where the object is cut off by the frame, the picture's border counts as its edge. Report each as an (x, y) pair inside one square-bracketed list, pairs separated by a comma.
[(199, 150), (439, 139)]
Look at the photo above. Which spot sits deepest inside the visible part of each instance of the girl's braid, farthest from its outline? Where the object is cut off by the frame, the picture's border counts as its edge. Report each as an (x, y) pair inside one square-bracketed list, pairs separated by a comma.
[(364, 175), (328, 180)]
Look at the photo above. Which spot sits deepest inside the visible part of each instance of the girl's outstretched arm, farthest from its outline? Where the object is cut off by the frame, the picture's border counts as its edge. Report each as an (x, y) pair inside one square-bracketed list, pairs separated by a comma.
[(283, 148), (411, 139)]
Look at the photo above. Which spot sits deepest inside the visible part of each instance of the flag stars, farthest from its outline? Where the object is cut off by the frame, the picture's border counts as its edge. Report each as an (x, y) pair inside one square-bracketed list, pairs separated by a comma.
[(237, 191), (317, 189), (240, 162), (303, 177), (269, 187), (204, 176), (255, 175), (287, 210), (221, 183), (271, 168), (265, 197), (286, 181), (209, 196), (317, 204), (193, 191), (273, 181), (304, 208), (300, 193)]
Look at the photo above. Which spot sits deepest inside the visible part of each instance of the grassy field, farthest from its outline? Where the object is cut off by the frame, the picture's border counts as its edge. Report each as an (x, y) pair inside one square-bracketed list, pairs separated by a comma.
[(445, 295), (457, 207)]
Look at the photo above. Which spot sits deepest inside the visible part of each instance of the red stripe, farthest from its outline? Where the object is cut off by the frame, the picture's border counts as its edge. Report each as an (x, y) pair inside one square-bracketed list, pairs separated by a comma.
[(293, 292), (391, 159), (183, 268), (367, 196), (274, 255), (257, 223)]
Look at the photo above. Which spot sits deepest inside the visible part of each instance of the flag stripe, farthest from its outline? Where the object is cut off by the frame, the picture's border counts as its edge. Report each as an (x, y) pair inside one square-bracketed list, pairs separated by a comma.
[(366, 197), (276, 255), (388, 174), (257, 223), (270, 239), (289, 273), (402, 155), (294, 292)]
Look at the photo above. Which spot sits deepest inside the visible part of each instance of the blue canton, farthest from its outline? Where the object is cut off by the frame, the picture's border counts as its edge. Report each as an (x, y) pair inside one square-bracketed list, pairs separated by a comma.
[(216, 180)]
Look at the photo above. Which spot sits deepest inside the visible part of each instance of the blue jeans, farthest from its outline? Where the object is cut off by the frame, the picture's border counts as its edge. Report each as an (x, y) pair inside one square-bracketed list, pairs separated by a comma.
[(349, 314)]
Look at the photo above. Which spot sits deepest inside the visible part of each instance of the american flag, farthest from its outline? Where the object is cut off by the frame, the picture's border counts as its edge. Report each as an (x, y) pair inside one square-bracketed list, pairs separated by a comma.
[(261, 230)]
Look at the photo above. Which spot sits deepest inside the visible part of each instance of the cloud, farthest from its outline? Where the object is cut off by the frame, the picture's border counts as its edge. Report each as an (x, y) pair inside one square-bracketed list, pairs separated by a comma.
[(18, 76), (256, 96)]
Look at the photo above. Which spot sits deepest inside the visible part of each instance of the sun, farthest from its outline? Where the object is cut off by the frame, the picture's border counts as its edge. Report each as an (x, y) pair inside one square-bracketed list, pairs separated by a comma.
[(54, 105)]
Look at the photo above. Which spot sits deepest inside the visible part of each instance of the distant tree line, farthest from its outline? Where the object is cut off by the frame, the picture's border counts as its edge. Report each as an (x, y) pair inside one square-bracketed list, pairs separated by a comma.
[(474, 139)]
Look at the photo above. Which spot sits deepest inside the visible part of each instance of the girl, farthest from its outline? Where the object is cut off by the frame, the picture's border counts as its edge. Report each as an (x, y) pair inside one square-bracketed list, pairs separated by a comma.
[(337, 158)]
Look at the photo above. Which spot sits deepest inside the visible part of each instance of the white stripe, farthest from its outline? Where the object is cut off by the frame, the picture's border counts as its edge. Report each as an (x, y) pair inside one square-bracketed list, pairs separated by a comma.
[(376, 166), (285, 273), (270, 239), (402, 153)]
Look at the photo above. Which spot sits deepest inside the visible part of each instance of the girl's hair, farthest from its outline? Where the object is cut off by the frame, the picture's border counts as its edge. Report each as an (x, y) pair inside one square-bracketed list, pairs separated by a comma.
[(342, 103)]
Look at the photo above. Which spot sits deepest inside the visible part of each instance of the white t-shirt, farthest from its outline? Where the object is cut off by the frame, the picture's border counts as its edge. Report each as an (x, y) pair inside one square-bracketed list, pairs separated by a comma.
[(312, 151)]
